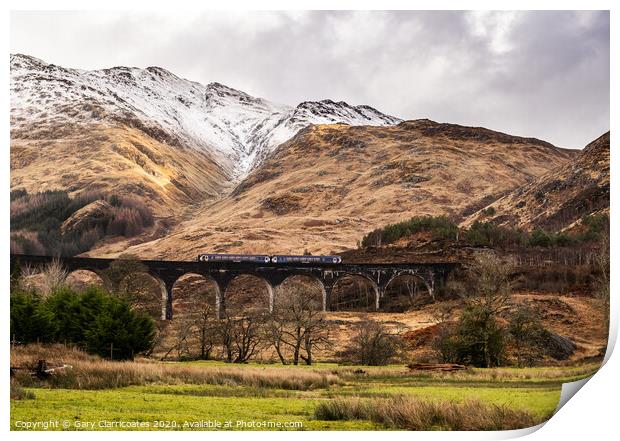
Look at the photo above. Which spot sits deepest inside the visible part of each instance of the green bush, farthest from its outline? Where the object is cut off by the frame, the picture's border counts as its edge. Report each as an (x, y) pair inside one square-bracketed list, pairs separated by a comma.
[(595, 226), (488, 235), (93, 319), (540, 238), (441, 228), (119, 332), (30, 320), (563, 240), (476, 339)]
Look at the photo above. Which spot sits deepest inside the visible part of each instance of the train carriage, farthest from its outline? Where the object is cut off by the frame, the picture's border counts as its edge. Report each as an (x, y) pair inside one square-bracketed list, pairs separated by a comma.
[(259, 258), (306, 259), (254, 258)]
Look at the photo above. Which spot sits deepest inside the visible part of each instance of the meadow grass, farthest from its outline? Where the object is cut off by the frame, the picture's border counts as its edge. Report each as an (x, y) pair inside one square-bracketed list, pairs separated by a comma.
[(148, 391), (89, 372), (136, 404), (406, 412)]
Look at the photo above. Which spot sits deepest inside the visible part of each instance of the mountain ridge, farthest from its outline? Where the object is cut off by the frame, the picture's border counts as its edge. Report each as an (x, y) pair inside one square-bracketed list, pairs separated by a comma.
[(233, 127), (323, 189)]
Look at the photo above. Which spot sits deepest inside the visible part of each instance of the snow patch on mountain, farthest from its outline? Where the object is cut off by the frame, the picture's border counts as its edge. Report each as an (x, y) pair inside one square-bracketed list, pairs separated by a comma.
[(236, 129)]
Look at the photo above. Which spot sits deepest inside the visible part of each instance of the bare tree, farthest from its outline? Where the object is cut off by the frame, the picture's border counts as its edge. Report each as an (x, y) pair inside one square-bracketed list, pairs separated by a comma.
[(241, 336), (247, 336), (489, 283), (180, 333), (274, 335), (225, 331), (53, 276), (27, 277), (443, 313), (296, 325), (601, 267), (204, 326), (411, 284)]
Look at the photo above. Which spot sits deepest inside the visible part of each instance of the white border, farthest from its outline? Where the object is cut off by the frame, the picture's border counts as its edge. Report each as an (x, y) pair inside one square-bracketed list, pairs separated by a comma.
[(592, 415)]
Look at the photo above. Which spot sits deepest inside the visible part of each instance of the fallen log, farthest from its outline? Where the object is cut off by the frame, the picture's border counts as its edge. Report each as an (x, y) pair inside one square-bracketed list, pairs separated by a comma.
[(42, 372), (441, 367)]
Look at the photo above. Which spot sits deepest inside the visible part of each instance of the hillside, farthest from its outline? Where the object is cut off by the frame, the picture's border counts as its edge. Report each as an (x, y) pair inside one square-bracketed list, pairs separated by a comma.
[(558, 199), (147, 134), (330, 184), (581, 319)]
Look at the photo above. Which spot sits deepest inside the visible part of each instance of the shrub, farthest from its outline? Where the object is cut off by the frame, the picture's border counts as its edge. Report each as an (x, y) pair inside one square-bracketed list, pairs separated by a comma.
[(487, 234), (114, 200), (374, 345), (527, 334), (489, 211), (18, 193), (563, 240), (447, 344)]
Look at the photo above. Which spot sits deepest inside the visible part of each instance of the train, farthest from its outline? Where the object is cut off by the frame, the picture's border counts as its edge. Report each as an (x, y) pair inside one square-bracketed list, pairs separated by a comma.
[(259, 258)]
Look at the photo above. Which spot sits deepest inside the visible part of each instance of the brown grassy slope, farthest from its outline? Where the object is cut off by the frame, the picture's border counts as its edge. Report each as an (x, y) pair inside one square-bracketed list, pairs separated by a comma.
[(330, 184), (114, 158), (560, 197)]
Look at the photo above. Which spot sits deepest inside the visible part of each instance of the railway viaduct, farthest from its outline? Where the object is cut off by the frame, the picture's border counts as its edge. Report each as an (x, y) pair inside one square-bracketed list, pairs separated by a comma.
[(272, 274)]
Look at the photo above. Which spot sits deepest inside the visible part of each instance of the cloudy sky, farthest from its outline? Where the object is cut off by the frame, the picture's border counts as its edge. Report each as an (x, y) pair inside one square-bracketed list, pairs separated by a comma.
[(542, 74)]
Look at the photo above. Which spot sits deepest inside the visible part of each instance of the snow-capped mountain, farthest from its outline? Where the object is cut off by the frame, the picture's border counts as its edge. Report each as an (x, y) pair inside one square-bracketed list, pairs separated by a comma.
[(236, 129)]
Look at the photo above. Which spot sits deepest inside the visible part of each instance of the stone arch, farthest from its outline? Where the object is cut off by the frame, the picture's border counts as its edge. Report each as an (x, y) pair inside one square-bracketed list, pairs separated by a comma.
[(354, 296), (308, 279), (146, 292), (404, 290), (81, 278), (189, 291), (243, 293)]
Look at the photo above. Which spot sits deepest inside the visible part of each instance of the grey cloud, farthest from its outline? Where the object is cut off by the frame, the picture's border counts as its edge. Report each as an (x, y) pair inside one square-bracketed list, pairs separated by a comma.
[(538, 73)]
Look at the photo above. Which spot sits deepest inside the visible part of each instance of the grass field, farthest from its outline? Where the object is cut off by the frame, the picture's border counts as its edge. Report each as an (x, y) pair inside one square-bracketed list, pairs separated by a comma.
[(290, 396)]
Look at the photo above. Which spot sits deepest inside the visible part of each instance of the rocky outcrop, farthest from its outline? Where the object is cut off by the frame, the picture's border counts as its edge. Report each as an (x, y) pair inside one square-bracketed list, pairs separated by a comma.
[(92, 214)]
